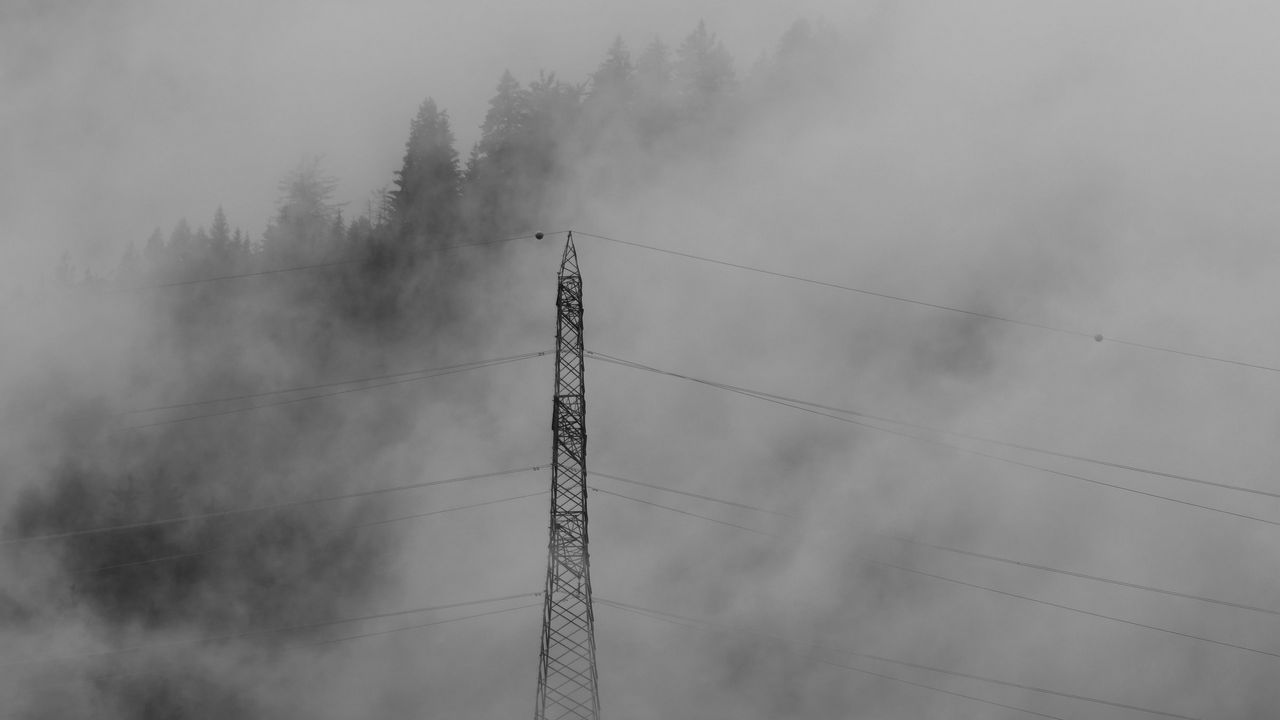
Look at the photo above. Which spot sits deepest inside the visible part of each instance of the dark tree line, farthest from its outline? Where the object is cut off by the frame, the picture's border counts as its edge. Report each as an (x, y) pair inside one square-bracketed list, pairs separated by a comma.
[(662, 95)]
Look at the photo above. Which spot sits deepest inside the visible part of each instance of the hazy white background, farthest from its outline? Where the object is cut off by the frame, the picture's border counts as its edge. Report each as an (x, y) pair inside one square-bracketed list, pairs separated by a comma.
[(1105, 167)]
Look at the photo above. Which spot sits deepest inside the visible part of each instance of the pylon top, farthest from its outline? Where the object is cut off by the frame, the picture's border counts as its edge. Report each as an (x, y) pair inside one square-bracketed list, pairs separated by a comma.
[(569, 260)]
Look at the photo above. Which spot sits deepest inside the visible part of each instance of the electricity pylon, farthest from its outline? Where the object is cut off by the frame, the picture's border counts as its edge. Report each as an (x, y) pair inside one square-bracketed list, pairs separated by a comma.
[(567, 686)]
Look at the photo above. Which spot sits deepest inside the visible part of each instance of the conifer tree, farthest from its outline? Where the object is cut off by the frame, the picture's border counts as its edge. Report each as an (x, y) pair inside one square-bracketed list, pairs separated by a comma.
[(302, 228), (553, 110), (153, 253), (495, 163), (609, 105), (613, 82), (128, 270), (220, 248), (200, 262), (703, 69), (653, 68), (429, 182), (655, 100), (180, 239), (179, 251)]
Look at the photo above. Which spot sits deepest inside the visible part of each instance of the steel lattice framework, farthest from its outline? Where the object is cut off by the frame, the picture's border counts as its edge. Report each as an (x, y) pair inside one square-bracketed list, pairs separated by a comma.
[(567, 687)]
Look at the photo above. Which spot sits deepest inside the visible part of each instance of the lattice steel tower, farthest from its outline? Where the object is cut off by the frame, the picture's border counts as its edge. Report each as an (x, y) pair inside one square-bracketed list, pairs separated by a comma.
[(567, 686)]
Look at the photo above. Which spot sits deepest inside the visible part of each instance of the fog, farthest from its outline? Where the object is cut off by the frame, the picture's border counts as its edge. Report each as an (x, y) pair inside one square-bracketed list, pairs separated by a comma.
[(1078, 168)]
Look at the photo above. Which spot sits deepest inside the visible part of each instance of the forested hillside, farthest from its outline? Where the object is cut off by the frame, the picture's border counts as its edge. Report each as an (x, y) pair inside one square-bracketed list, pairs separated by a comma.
[(124, 437)]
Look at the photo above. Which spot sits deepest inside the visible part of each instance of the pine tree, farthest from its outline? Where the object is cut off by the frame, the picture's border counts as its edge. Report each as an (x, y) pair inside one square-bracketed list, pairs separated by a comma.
[(508, 112), (494, 167), (808, 58), (241, 252), (608, 108), (429, 183), (128, 270), (179, 251), (153, 253), (614, 81), (553, 110), (301, 230), (653, 69), (359, 232), (703, 69), (220, 249), (518, 152), (180, 239), (201, 263), (655, 101)]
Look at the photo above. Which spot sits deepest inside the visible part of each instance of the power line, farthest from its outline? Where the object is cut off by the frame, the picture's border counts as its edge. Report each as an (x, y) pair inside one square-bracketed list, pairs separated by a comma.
[(686, 493), (373, 523), (469, 506), (837, 286), (266, 507), (1086, 576), (270, 630), (804, 407), (643, 613), (703, 624), (320, 386), (969, 553), (346, 638), (993, 590), (684, 512), (258, 273), (430, 374), (1069, 608), (936, 306), (929, 428), (418, 626), (318, 266), (1005, 443)]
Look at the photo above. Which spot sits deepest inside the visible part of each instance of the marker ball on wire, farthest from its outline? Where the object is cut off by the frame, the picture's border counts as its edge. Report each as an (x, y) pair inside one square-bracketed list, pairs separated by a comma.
[(1097, 338), (537, 236)]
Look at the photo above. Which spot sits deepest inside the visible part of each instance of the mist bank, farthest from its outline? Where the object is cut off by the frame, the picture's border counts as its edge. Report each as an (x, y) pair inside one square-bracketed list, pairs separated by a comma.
[(1071, 165)]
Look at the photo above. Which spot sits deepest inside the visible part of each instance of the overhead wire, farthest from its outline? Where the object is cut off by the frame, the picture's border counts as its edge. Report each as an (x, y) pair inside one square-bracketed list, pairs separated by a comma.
[(704, 624), (990, 589), (837, 286), (455, 508), (345, 638), (418, 626), (1013, 445), (686, 493), (970, 553), (318, 266), (372, 523), (1098, 337), (683, 512), (1069, 608), (319, 386), (942, 431), (635, 610), (235, 276), (265, 507), (423, 375), (805, 407), (267, 631), (712, 384), (1086, 576)]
